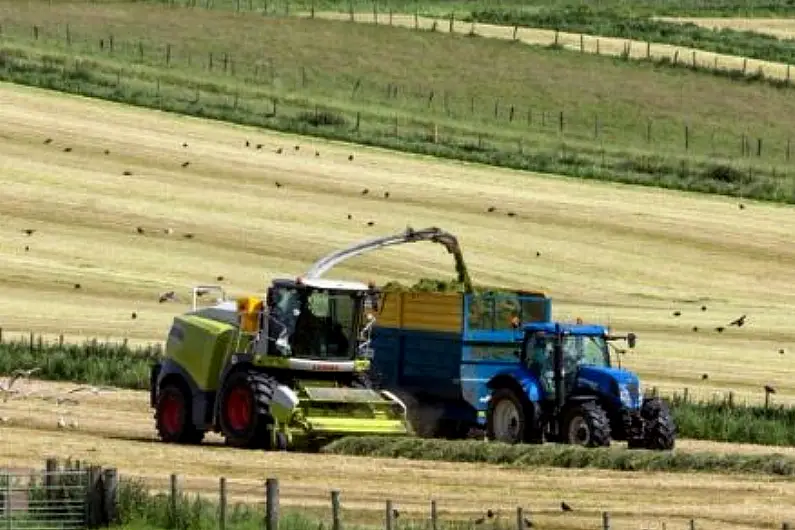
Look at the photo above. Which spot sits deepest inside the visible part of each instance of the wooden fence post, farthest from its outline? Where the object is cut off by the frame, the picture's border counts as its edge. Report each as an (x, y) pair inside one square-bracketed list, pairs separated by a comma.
[(520, 518), (222, 503), (336, 521), (174, 496), (605, 521), (434, 516), (93, 493), (110, 495), (389, 515), (272, 504)]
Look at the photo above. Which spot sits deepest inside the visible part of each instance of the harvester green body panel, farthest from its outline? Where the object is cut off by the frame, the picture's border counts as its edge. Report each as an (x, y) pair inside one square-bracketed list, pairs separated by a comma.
[(200, 346)]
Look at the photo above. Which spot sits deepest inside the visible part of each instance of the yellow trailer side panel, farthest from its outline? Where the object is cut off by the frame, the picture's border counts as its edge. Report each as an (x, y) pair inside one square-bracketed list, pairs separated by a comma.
[(426, 311)]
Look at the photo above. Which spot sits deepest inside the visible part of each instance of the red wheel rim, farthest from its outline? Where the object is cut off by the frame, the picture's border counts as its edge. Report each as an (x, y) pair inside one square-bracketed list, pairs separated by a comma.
[(169, 414), (238, 408)]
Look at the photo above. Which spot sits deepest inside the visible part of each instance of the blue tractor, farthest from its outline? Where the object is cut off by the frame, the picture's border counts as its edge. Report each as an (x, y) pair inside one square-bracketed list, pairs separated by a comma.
[(564, 389)]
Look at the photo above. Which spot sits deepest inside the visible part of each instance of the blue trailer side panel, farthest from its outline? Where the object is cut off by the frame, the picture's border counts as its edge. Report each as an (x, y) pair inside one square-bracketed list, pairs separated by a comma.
[(419, 362)]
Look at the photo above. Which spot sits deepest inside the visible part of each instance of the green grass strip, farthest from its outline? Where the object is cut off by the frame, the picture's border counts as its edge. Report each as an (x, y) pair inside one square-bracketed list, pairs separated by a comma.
[(552, 455)]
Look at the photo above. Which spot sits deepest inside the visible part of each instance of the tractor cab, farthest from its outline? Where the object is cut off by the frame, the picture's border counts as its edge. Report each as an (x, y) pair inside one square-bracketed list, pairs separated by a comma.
[(573, 360)]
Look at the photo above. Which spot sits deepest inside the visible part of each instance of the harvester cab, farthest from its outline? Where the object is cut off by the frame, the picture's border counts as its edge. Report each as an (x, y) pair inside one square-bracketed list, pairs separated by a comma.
[(575, 394)]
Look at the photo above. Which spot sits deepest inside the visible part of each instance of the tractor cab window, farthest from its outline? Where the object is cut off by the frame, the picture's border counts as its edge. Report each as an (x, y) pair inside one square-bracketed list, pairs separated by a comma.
[(581, 350)]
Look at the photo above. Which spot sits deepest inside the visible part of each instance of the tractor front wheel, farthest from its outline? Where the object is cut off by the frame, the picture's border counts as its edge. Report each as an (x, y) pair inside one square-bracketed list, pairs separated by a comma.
[(587, 424), (659, 431), (244, 409), (173, 417)]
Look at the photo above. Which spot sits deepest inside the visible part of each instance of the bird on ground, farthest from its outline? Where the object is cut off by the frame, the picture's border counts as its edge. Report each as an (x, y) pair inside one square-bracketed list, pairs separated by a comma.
[(695, 328), (538, 253), (77, 286), (297, 147), (365, 191), (259, 146), (185, 164), (219, 278), (491, 209), (317, 153), (720, 329), (703, 308), (350, 217), (48, 140), (140, 230), (29, 231), (127, 173), (386, 195), (185, 144), (742, 206), (188, 235), (704, 376), (279, 151), (511, 214), (278, 184), (134, 315), (739, 322), (677, 313), (370, 223), (769, 389), (67, 149), (107, 151), (565, 507), (350, 157), (248, 144)]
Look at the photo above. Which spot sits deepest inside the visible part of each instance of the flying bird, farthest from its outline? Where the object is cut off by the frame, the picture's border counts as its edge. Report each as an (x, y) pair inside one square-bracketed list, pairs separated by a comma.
[(677, 313), (720, 329), (170, 295), (739, 322), (185, 164), (29, 231)]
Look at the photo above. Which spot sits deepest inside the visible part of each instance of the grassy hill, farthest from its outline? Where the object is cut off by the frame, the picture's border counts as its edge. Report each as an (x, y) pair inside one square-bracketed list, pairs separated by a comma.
[(538, 109)]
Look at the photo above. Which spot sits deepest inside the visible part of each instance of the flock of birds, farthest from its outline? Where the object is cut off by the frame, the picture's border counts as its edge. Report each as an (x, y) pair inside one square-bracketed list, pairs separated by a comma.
[(65, 418)]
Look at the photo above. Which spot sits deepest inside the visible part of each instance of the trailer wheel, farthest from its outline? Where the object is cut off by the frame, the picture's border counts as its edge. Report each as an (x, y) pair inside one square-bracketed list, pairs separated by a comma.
[(659, 431), (244, 409), (586, 424), (511, 418), (173, 417)]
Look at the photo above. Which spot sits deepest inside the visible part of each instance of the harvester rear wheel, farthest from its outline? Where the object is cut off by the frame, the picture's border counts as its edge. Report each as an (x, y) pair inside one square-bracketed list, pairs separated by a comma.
[(244, 409), (173, 418), (659, 431), (586, 424)]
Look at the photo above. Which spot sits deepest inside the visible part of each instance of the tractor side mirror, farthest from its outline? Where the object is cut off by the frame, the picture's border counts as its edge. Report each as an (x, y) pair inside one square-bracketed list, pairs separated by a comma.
[(631, 340)]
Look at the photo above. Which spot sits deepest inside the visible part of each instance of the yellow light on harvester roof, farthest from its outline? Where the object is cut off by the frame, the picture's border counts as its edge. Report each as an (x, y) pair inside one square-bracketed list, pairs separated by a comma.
[(249, 309)]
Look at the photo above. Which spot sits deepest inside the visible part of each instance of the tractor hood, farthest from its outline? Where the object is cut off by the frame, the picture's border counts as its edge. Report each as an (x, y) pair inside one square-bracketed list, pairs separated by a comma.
[(609, 381)]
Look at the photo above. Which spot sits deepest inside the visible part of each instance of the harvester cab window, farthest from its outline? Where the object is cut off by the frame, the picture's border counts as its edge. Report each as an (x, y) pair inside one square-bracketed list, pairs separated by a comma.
[(282, 317), (325, 326)]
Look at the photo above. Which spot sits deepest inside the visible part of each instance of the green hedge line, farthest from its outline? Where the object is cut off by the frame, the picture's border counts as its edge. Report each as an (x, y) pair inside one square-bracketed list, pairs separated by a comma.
[(612, 23), (117, 364), (554, 455)]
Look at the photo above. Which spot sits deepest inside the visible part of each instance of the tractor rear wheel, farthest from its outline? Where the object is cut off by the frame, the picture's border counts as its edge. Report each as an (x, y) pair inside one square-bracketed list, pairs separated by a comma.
[(512, 418), (659, 431), (586, 424), (244, 409), (173, 417)]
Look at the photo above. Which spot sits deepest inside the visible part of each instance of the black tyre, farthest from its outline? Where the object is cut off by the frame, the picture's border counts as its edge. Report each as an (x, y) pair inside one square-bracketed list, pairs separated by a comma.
[(659, 430), (512, 418), (586, 424), (244, 409), (281, 441), (174, 416)]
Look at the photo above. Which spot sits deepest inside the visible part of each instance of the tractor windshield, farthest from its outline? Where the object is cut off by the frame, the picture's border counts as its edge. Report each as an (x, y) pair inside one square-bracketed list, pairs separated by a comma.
[(315, 324), (588, 350)]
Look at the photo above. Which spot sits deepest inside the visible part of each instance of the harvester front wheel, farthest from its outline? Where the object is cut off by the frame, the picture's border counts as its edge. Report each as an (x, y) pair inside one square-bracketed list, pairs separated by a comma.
[(244, 409), (173, 417), (586, 424), (659, 431)]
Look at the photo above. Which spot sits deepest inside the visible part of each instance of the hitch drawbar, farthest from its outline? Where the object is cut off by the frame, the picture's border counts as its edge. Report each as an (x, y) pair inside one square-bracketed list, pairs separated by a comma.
[(154, 373)]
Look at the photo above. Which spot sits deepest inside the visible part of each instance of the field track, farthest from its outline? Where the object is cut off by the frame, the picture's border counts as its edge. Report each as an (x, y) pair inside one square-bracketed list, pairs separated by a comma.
[(606, 45), (608, 252), (115, 428), (783, 28)]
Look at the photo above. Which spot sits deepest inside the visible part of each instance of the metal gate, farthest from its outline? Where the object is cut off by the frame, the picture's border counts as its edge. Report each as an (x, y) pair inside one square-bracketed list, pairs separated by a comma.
[(44, 500)]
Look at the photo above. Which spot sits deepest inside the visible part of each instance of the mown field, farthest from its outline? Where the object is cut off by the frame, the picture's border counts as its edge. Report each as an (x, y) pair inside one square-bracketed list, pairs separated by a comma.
[(115, 428), (650, 262), (294, 75)]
